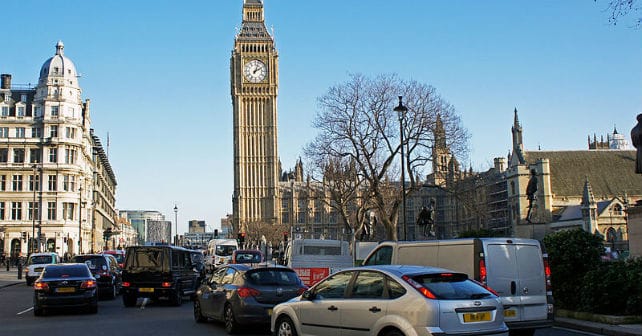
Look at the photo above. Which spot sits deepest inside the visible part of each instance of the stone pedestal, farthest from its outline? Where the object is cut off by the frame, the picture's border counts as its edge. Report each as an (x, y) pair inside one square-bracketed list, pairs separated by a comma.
[(635, 230)]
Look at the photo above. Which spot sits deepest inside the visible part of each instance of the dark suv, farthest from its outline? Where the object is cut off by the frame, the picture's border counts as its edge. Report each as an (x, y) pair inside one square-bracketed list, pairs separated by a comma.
[(105, 269), (158, 272)]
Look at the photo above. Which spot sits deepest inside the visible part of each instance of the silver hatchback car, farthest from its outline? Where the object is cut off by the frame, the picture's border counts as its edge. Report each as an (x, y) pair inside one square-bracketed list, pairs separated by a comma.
[(392, 300)]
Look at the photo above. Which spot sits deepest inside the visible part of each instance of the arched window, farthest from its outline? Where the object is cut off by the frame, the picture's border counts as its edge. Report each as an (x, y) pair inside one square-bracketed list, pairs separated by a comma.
[(611, 235), (617, 210)]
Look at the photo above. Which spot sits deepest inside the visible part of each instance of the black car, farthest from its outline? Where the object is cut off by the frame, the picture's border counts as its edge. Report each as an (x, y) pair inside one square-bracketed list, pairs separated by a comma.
[(241, 295), (65, 286), (105, 269), (158, 272)]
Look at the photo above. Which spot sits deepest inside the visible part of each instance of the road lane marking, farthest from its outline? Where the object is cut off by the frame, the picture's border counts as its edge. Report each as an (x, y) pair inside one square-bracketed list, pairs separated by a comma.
[(26, 310)]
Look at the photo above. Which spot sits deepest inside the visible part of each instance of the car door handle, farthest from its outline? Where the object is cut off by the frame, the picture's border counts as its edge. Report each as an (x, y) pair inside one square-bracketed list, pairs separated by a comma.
[(333, 308), (374, 309)]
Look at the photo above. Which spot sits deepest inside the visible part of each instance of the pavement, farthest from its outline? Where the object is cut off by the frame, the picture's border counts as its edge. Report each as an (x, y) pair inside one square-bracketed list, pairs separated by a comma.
[(10, 278)]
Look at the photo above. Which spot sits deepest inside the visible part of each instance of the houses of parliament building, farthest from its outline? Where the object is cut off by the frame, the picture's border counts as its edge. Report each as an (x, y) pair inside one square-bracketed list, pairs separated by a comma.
[(589, 188)]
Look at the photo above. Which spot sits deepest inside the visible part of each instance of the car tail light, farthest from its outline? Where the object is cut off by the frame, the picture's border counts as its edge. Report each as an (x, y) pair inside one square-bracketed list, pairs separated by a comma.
[(88, 284), (41, 286), (247, 291), (166, 284), (126, 284), (421, 289), (482, 272), (547, 272)]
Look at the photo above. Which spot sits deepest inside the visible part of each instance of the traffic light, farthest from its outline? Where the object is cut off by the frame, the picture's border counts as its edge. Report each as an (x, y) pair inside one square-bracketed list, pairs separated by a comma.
[(242, 237), (285, 236), (215, 233)]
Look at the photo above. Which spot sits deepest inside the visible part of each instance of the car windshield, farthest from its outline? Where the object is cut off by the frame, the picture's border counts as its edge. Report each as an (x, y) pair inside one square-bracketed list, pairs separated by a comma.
[(272, 277), (67, 271), (225, 250), (248, 257), (151, 258), (42, 259), (452, 286), (93, 262)]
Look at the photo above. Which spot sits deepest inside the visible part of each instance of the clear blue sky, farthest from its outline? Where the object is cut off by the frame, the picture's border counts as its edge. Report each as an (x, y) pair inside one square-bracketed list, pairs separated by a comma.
[(157, 74)]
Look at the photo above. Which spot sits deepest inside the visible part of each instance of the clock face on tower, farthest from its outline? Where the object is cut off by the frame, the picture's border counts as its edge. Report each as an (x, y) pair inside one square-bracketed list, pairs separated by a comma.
[(254, 71)]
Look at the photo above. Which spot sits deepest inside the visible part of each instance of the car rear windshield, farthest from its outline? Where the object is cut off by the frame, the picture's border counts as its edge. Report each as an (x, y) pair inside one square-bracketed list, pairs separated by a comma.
[(67, 271), (93, 262), (148, 258), (119, 257), (224, 250), (248, 257), (452, 286), (44, 259), (271, 276)]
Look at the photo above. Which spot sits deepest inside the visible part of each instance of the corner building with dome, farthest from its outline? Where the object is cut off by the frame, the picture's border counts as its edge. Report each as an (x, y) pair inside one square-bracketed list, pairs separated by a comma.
[(57, 188)]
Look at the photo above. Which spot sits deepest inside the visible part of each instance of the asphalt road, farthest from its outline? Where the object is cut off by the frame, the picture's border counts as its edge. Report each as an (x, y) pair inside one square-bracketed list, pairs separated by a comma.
[(16, 318)]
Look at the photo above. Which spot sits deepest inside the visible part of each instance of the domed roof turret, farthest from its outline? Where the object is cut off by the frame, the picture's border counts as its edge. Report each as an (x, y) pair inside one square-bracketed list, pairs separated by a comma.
[(59, 68)]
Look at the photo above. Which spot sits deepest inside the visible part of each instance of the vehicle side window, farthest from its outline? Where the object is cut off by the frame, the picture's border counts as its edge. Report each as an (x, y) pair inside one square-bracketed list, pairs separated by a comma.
[(368, 285), (229, 276), (383, 256), (395, 289), (176, 259), (334, 287), (217, 276)]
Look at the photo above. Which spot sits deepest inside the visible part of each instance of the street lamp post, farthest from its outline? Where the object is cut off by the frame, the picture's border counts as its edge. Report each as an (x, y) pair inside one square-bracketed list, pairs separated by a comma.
[(176, 224), (80, 219), (401, 111), (33, 208)]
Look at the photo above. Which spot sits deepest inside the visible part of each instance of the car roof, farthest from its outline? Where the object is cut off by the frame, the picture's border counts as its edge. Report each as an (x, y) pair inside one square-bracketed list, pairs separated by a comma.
[(43, 254), (404, 269)]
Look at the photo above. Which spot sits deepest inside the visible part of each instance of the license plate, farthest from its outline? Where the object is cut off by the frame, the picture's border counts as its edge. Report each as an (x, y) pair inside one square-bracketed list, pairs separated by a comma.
[(269, 311), (476, 317), (146, 290), (510, 313), (65, 290)]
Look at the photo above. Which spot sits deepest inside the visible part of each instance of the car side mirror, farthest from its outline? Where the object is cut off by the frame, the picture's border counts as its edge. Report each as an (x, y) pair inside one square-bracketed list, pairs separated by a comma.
[(309, 295)]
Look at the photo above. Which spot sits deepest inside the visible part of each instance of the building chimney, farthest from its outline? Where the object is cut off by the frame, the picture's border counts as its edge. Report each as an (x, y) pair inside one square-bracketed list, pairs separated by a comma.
[(6, 81), (500, 164)]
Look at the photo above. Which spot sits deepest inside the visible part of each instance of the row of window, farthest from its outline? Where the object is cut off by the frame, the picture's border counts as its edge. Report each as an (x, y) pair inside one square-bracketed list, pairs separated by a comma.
[(15, 211), (19, 155), (21, 111), (36, 132), (33, 183)]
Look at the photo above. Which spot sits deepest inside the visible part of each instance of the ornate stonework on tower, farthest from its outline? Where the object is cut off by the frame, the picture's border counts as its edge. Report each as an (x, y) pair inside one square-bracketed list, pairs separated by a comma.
[(254, 86)]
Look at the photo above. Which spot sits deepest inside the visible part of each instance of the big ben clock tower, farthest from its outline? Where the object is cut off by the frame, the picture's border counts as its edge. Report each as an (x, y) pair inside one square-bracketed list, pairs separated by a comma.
[(254, 85)]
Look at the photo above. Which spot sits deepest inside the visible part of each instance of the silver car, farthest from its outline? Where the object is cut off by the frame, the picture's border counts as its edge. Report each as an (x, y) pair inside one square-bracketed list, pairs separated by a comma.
[(392, 300)]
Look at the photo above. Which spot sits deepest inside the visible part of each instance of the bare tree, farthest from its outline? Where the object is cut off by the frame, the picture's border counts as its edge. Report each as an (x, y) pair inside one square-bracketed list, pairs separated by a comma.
[(618, 9), (357, 125)]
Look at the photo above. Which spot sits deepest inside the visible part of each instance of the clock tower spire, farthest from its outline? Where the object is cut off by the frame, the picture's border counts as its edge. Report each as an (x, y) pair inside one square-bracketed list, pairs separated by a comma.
[(254, 89)]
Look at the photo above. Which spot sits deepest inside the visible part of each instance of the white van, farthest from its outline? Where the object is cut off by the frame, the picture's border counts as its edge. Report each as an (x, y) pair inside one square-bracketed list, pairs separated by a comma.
[(36, 262), (314, 259), (515, 268), (219, 252)]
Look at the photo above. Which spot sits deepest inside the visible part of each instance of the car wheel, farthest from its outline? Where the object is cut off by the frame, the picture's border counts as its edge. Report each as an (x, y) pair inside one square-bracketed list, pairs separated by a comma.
[(93, 309), (393, 332), (112, 293), (129, 300), (38, 311), (284, 327), (231, 326), (522, 332), (177, 299), (198, 314)]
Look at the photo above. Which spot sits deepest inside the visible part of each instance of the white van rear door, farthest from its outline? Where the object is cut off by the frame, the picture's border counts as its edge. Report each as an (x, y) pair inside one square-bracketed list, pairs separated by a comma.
[(516, 272)]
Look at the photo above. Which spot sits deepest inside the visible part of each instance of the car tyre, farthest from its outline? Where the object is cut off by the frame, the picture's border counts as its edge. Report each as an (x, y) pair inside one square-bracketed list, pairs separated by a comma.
[(93, 309), (112, 293), (393, 332), (521, 332), (198, 313), (177, 299), (231, 326), (284, 327), (38, 311), (129, 300)]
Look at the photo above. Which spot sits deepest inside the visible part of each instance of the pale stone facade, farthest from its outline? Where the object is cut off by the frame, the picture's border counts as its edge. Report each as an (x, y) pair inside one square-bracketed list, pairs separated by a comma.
[(56, 184)]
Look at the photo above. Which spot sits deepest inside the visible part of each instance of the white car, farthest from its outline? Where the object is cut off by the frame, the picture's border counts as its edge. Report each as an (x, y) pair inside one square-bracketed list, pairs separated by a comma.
[(392, 300), (36, 262)]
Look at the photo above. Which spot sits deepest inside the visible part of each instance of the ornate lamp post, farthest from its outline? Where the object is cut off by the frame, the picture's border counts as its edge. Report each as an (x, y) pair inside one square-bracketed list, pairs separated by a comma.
[(176, 224), (401, 111)]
